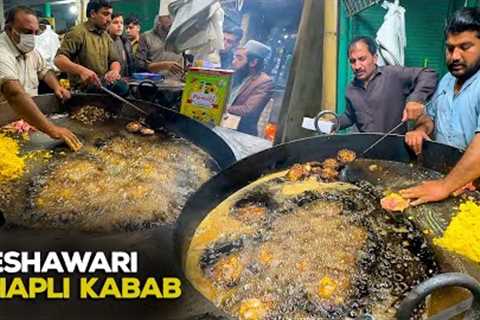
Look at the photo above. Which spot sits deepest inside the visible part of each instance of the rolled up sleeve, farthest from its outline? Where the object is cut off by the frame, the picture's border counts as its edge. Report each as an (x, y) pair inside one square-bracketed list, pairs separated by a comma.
[(477, 130), (71, 45), (113, 55), (7, 68), (432, 108), (42, 66)]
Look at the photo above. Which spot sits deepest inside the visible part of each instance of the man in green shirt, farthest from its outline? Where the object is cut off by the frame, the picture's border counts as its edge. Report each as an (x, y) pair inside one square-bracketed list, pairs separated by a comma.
[(87, 53)]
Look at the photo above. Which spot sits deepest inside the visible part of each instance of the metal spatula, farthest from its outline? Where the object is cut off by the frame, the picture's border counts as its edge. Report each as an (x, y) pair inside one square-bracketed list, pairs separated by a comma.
[(427, 105), (151, 119), (383, 137), (128, 103)]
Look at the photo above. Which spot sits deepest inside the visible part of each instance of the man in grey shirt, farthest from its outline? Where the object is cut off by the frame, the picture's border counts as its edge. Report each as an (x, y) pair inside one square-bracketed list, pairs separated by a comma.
[(151, 55), (379, 98)]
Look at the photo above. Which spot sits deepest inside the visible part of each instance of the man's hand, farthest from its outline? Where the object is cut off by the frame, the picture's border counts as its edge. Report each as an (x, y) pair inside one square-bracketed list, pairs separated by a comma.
[(172, 67), (112, 76), (414, 139), (468, 187), (413, 110), (90, 77), (66, 135), (429, 191), (62, 94)]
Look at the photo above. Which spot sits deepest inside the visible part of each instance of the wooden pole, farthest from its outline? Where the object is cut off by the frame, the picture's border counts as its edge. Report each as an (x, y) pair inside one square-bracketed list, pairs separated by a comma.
[(82, 10), (330, 53), (303, 95)]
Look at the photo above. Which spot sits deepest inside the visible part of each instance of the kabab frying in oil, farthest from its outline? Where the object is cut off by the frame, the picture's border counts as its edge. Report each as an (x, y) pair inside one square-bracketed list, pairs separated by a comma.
[(319, 251), (346, 156)]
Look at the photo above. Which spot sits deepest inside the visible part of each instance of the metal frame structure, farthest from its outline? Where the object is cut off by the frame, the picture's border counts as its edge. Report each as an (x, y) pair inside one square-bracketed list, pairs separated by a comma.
[(356, 6)]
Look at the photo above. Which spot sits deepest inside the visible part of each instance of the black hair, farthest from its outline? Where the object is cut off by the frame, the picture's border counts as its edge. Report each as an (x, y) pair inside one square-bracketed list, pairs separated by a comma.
[(12, 13), (116, 15), (466, 19), (132, 19), (96, 5), (371, 44), (236, 31), (45, 22)]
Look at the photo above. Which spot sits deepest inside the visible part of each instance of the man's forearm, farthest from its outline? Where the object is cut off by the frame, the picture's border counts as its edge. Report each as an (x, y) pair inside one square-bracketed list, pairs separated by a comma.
[(26, 108), (66, 65), (238, 110), (156, 66), (425, 124), (467, 169), (51, 80)]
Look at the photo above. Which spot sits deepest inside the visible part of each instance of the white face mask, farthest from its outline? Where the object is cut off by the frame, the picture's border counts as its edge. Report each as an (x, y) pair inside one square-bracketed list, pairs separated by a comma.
[(27, 42)]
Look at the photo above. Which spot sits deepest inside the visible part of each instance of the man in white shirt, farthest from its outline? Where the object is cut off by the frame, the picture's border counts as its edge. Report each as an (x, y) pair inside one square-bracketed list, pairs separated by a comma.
[(21, 67), (47, 43)]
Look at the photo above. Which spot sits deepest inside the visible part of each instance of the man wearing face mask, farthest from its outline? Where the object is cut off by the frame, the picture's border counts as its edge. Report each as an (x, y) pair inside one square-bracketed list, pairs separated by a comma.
[(87, 53), (21, 67), (151, 55)]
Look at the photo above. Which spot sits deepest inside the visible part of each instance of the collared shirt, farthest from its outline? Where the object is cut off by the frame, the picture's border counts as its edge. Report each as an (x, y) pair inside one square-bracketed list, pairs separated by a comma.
[(123, 49), (456, 117), (379, 107), (122, 54), (24, 68), (152, 49), (135, 45), (236, 88), (90, 47)]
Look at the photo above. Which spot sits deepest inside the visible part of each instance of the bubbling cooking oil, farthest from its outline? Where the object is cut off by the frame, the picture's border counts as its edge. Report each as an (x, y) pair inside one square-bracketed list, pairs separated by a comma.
[(127, 182), (306, 249)]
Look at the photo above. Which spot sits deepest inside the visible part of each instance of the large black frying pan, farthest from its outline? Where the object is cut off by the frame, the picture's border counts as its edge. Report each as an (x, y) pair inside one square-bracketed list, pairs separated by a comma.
[(182, 126), (437, 157), (220, 154)]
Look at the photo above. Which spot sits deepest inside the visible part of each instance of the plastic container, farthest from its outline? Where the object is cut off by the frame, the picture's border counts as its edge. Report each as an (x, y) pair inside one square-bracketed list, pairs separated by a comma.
[(140, 76)]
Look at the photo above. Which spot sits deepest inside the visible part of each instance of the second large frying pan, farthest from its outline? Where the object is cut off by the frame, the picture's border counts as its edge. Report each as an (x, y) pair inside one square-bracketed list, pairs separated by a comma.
[(437, 157)]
